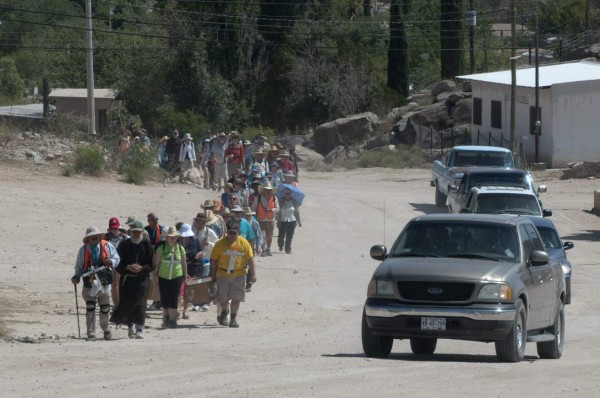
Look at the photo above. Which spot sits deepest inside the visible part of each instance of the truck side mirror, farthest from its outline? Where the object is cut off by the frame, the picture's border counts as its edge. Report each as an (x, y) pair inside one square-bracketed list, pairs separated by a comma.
[(547, 212), (538, 257), (542, 189), (378, 252), (568, 245)]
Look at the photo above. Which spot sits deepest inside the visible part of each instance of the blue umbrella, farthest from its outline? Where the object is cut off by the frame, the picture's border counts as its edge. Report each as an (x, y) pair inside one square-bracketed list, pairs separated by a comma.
[(297, 194)]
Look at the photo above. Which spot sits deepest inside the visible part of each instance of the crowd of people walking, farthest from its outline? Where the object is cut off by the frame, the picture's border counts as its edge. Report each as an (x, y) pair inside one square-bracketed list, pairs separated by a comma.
[(154, 262)]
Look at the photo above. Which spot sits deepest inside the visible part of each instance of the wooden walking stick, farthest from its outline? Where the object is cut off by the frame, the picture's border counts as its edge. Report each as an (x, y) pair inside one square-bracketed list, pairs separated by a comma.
[(77, 309)]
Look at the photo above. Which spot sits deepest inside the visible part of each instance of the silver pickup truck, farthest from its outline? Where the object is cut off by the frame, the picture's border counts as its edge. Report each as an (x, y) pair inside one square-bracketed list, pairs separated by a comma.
[(471, 277), (460, 158)]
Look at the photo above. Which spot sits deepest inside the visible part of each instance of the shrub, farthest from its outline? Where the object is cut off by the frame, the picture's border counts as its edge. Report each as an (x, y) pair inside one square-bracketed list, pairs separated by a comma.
[(7, 134), (89, 159), (138, 165), (66, 125), (400, 158), (68, 170)]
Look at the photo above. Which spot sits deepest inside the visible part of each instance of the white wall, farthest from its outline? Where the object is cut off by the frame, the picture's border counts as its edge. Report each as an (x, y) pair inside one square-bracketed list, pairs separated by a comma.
[(490, 92), (576, 122)]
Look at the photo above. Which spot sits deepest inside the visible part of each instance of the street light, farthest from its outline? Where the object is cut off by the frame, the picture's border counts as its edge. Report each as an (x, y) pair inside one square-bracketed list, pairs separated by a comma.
[(538, 123)]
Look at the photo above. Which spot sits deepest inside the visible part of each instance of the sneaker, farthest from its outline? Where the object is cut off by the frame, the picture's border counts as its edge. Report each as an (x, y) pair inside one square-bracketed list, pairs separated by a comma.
[(185, 315), (269, 252), (196, 308), (288, 252), (130, 332), (264, 254), (204, 307), (233, 324), (138, 334), (165, 322), (107, 335), (222, 319), (280, 248), (91, 338), (172, 324)]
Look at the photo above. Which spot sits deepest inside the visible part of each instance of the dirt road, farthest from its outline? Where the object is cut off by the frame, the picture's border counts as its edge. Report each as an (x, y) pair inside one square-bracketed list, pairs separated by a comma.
[(299, 330)]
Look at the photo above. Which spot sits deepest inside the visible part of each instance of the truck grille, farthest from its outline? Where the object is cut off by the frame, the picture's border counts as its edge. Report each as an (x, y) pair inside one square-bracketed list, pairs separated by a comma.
[(426, 291)]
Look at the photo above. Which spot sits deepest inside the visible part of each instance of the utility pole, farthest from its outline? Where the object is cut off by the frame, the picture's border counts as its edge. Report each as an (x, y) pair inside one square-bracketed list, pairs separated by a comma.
[(471, 22), (91, 106), (513, 73), (538, 122)]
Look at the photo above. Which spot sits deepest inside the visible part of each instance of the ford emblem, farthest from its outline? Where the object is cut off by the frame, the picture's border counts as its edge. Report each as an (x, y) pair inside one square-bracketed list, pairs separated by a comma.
[(435, 290)]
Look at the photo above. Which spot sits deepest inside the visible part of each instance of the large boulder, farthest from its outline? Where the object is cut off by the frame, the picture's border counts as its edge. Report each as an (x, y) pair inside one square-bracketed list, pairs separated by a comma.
[(399, 113), (305, 154), (435, 116), (290, 141), (421, 98), (582, 170), (461, 111), (345, 131), (192, 175), (443, 86), (337, 153)]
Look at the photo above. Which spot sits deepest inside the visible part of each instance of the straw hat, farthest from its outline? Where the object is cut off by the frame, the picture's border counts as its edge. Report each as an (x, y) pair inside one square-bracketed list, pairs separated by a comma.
[(248, 211), (208, 204), (164, 138), (187, 136), (210, 218), (172, 231), (237, 209), (265, 186), (92, 231)]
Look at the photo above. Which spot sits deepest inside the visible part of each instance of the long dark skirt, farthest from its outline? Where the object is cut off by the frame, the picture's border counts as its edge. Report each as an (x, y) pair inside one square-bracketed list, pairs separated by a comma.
[(133, 293), (169, 291)]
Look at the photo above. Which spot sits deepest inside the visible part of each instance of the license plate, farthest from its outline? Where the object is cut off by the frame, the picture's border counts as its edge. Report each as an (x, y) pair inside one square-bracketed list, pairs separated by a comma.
[(433, 323)]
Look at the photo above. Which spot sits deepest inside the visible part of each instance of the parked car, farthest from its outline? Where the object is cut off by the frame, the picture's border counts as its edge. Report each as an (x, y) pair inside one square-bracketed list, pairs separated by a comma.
[(472, 277), (504, 200), (486, 176), (556, 248), (465, 157)]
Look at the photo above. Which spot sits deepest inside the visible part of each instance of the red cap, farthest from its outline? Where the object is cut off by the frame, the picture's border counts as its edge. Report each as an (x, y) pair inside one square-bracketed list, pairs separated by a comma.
[(113, 223)]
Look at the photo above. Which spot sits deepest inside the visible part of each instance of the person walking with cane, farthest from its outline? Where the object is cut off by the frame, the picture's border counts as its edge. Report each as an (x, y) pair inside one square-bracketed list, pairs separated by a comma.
[(95, 262)]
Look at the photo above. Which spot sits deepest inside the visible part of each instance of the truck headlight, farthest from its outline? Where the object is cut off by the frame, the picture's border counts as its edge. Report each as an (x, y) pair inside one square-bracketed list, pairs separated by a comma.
[(380, 288), (566, 266), (495, 291)]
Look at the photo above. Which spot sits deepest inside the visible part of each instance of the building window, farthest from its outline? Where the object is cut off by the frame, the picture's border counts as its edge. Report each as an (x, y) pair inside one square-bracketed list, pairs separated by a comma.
[(496, 115), (477, 111), (532, 119)]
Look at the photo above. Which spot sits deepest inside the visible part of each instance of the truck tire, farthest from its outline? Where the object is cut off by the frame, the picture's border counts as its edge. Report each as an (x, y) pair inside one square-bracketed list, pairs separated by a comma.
[(440, 198), (512, 348), (423, 346), (374, 346), (554, 349)]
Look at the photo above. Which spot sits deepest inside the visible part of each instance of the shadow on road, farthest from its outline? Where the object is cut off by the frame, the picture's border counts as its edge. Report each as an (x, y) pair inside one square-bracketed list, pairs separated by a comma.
[(589, 236), (433, 358), (427, 208)]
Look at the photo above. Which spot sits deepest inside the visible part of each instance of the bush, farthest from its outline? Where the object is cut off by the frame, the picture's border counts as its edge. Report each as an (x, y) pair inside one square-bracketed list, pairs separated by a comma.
[(138, 165), (89, 159), (66, 125), (7, 134), (68, 170), (400, 158)]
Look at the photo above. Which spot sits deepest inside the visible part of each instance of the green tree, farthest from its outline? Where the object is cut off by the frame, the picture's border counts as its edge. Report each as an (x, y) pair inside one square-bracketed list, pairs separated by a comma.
[(451, 31), (398, 48), (11, 85)]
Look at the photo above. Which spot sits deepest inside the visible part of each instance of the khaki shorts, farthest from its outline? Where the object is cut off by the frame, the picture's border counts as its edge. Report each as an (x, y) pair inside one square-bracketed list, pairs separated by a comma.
[(231, 289), (267, 226)]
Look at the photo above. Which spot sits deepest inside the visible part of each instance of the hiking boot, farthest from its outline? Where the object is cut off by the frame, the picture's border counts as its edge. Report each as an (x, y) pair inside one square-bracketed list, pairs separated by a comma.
[(288, 251), (130, 332), (233, 324), (280, 248), (107, 335), (263, 254), (269, 252), (138, 334), (91, 338), (222, 319), (185, 315), (172, 324), (165, 322)]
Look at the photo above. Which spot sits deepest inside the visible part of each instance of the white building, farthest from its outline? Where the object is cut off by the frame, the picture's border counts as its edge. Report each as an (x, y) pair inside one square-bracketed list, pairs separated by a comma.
[(569, 99)]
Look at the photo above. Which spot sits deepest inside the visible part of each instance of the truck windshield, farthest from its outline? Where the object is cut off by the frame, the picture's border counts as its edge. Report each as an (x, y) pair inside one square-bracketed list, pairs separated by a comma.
[(458, 239), (508, 203), (490, 159)]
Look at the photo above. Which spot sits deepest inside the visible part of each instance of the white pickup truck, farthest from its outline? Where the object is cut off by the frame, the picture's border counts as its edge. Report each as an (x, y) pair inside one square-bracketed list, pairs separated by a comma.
[(464, 157)]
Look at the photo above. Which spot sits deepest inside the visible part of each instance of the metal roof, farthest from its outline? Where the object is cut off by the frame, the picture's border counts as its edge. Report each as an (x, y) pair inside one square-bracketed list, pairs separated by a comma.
[(550, 75), (480, 148), (32, 111), (108, 93)]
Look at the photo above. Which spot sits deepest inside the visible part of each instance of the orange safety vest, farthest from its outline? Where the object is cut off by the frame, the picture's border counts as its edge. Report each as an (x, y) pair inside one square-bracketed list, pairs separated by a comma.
[(263, 213), (157, 234), (87, 258)]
